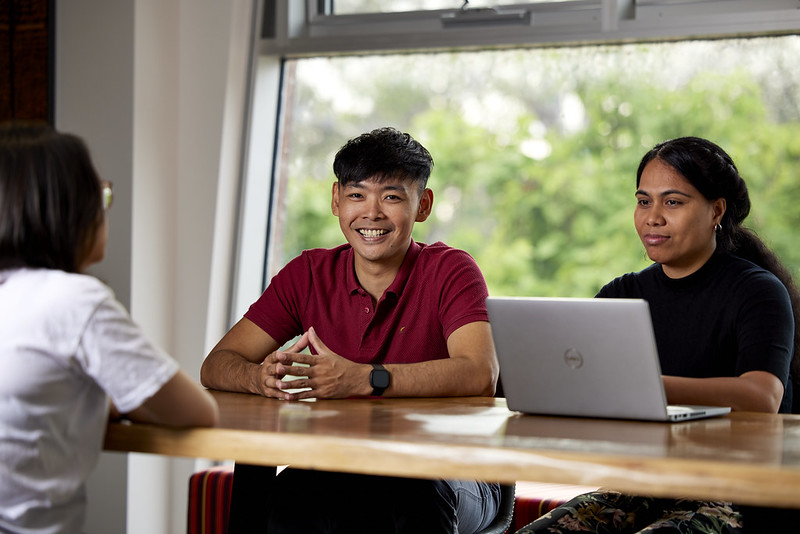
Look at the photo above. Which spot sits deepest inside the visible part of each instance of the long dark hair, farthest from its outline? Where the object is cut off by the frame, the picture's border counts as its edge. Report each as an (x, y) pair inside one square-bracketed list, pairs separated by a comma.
[(50, 198), (712, 171)]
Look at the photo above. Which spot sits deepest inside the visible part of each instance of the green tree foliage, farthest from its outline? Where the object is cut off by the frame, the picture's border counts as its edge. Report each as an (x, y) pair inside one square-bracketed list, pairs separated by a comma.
[(536, 150)]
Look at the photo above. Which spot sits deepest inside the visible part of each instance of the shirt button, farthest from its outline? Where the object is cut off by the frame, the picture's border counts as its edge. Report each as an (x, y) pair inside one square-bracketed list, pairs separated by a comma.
[(366, 310)]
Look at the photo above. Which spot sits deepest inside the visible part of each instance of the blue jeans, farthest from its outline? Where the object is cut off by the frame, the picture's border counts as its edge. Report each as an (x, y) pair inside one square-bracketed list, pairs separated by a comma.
[(322, 502), (477, 504)]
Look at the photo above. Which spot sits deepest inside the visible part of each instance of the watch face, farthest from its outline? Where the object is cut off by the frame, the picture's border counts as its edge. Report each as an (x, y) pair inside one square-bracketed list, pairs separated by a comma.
[(379, 378)]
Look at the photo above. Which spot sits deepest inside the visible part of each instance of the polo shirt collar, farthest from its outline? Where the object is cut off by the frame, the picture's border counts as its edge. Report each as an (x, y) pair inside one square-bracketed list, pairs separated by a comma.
[(350, 268), (400, 279)]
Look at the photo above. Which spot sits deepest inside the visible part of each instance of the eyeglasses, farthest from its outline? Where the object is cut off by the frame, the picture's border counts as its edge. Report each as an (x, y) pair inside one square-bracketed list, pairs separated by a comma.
[(108, 195)]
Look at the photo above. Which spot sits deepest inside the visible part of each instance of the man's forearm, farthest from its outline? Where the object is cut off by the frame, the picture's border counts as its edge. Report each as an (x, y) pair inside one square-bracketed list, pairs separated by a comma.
[(449, 377), (227, 371)]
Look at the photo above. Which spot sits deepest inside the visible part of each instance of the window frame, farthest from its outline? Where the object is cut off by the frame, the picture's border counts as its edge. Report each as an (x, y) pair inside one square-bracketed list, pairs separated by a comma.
[(304, 28)]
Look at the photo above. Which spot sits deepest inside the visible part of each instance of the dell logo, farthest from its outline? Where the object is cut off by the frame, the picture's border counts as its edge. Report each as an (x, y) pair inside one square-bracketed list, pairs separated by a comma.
[(573, 358)]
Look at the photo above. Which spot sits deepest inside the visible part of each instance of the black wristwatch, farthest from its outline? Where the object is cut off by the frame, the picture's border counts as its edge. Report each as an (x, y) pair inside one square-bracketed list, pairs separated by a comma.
[(379, 379)]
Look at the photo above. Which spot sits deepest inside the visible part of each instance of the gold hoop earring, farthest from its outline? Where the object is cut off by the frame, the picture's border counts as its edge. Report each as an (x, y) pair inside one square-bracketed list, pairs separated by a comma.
[(718, 228)]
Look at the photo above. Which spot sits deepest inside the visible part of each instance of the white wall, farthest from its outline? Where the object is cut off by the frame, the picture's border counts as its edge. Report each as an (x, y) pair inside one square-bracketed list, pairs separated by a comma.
[(93, 98), (149, 84)]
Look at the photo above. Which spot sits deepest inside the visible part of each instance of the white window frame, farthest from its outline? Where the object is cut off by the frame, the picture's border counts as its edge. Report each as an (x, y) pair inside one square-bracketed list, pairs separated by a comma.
[(302, 28)]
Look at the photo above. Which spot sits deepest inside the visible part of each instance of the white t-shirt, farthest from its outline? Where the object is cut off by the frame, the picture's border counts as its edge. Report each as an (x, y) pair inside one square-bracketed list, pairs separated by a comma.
[(66, 346)]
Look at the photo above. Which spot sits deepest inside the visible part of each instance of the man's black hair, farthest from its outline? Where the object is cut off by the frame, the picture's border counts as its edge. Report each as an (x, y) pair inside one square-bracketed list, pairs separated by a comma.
[(383, 154)]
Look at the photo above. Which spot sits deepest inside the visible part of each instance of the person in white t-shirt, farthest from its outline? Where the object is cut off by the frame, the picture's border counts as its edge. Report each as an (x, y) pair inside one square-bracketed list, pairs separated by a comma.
[(69, 352)]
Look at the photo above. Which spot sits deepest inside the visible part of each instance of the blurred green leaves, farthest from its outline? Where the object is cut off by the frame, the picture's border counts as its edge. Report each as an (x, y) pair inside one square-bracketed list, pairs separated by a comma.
[(536, 150)]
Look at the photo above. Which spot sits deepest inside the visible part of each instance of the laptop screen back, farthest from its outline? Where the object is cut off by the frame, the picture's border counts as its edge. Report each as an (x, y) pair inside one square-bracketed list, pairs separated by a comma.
[(578, 357)]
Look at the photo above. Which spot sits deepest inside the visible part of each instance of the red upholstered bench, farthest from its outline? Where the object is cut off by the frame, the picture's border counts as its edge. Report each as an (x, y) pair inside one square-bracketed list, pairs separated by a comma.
[(210, 499)]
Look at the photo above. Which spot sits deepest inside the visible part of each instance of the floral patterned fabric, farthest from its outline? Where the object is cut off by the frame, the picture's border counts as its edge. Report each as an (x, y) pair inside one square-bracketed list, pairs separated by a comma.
[(607, 512)]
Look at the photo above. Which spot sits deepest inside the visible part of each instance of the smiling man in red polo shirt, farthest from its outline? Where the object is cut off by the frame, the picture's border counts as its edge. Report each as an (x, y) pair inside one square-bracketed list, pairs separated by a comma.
[(381, 315)]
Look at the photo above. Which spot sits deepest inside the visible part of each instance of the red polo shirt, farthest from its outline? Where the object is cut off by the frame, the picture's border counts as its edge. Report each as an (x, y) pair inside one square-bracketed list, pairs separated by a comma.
[(437, 290)]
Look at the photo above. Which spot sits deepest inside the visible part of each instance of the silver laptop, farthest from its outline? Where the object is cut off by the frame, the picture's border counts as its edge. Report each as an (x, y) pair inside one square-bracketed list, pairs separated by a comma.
[(584, 358)]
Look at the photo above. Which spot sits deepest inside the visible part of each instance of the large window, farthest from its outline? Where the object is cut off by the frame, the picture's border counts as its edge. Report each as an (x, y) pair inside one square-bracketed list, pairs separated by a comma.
[(536, 149), (536, 118)]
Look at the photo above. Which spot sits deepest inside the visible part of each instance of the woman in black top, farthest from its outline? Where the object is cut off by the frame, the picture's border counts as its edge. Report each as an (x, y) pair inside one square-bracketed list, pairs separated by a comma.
[(725, 315)]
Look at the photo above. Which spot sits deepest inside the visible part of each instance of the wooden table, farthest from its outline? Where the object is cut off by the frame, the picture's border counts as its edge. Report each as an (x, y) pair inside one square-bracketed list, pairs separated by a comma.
[(747, 458)]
